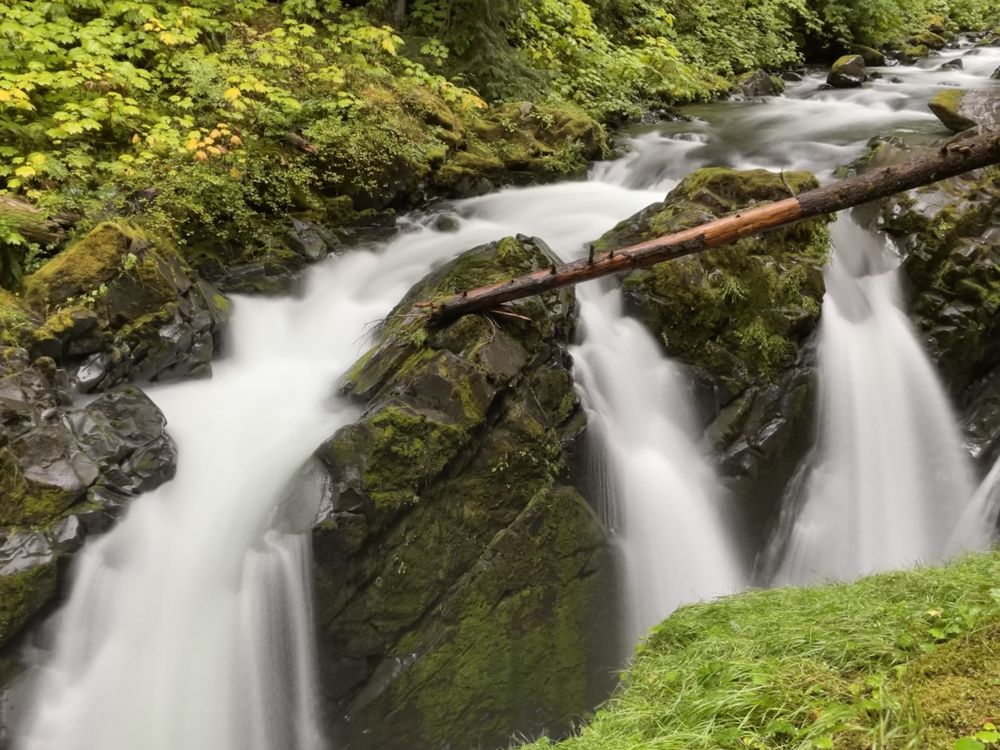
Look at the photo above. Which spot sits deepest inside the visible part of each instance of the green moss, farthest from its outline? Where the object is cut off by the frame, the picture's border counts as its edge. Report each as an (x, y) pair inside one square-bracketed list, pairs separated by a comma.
[(23, 501), (81, 267), (16, 322), (22, 595), (842, 666), (738, 312), (928, 39)]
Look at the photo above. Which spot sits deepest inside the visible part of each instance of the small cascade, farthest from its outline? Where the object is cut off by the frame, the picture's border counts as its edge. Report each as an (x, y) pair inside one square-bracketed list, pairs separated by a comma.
[(659, 494), (891, 478)]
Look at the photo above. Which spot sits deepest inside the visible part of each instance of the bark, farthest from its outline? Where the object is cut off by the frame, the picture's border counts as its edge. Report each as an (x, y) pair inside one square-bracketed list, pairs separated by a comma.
[(953, 158), (31, 223)]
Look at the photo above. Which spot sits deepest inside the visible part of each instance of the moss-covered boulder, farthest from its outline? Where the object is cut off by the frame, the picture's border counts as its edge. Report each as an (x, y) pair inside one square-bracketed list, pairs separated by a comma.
[(961, 109), (928, 39), (758, 83), (118, 306), (521, 143), (455, 570), (741, 318), (847, 72), (870, 55)]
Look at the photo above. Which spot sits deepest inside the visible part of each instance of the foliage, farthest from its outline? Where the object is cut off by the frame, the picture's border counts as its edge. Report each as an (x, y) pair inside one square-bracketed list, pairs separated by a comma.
[(846, 666)]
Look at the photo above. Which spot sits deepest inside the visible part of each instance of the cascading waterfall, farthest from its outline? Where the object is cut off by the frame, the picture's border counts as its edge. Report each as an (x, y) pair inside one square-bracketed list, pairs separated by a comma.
[(659, 494), (891, 479), (189, 625)]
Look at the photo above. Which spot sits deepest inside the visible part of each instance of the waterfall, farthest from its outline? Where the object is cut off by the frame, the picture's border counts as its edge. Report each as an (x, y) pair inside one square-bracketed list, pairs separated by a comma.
[(891, 478), (659, 494)]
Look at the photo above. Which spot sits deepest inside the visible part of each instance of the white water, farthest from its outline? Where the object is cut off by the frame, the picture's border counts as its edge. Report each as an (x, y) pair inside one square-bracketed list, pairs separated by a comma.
[(892, 478)]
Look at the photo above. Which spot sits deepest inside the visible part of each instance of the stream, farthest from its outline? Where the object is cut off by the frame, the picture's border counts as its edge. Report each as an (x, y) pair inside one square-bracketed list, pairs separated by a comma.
[(189, 626)]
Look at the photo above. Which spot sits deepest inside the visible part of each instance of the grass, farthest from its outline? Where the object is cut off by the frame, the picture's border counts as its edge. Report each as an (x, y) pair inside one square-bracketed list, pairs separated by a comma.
[(900, 660)]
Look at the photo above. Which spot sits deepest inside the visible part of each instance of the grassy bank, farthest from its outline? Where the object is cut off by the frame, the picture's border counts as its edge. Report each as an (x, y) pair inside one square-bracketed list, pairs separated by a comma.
[(904, 660)]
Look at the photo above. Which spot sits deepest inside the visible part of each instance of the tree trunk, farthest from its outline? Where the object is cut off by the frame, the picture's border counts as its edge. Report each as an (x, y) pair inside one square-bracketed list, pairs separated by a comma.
[(30, 222), (954, 158)]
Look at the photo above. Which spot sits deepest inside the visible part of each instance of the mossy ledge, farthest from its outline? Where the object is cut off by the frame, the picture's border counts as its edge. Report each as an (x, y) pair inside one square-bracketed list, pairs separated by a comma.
[(899, 660)]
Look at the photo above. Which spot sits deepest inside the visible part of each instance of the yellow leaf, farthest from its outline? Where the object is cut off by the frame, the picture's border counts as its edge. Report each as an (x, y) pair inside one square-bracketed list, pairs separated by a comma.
[(169, 38), (235, 140), (25, 171), (232, 94), (136, 138), (191, 145), (388, 46), (5, 96)]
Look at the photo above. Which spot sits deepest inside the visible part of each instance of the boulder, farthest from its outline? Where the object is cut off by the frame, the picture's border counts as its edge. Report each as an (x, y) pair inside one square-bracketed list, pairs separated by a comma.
[(911, 53), (996, 74), (758, 83), (928, 39), (847, 72), (961, 109), (456, 573), (955, 64), (741, 318), (118, 306), (870, 55)]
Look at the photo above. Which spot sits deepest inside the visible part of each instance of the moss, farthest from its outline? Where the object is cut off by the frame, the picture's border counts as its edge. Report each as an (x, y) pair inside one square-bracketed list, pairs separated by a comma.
[(928, 40), (738, 312), (81, 267), (23, 501), (518, 619), (914, 51), (22, 595), (16, 322)]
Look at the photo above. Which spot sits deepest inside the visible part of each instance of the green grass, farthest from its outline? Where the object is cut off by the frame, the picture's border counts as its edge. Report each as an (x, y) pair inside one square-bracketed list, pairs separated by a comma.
[(864, 665)]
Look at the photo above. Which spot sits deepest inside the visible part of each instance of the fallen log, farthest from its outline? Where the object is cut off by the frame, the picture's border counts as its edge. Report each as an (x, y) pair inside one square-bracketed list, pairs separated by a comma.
[(955, 157), (32, 223)]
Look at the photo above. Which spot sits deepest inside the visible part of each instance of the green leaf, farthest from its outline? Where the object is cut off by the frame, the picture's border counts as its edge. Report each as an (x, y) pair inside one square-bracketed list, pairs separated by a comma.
[(968, 743)]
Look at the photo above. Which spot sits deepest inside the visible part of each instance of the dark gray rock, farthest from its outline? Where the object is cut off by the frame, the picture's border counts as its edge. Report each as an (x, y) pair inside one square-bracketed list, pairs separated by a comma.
[(955, 64), (757, 84)]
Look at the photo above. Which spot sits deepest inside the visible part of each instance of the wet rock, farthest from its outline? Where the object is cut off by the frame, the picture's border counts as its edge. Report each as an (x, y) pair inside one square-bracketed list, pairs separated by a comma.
[(961, 109), (955, 64), (847, 72), (757, 84), (60, 468), (870, 56), (996, 74), (928, 39), (312, 241), (119, 306), (911, 53), (949, 237), (447, 542)]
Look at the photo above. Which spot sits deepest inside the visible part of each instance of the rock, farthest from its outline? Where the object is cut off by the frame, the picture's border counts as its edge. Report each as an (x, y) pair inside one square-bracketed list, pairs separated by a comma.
[(910, 53), (791, 76), (741, 319), (949, 237), (312, 241), (757, 84), (121, 307), (448, 543), (961, 109), (521, 143), (64, 472), (848, 72), (928, 39), (955, 64), (871, 56), (996, 74)]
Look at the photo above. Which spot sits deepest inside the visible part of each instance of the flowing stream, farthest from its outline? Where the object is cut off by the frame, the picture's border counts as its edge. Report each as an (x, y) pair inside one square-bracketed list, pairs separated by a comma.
[(189, 625)]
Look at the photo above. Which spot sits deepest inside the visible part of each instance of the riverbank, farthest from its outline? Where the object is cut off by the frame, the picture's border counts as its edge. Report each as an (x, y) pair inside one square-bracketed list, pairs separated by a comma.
[(893, 661)]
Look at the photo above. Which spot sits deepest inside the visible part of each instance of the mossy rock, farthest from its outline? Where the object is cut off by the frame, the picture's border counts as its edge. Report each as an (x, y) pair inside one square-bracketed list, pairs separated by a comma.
[(870, 55), (948, 235), (928, 39), (17, 322), (961, 109), (22, 595), (848, 71), (759, 83), (739, 312), (120, 305), (520, 143), (448, 541)]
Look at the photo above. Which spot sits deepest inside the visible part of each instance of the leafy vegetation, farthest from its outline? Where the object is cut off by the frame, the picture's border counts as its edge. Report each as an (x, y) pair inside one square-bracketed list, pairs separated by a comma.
[(904, 660)]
